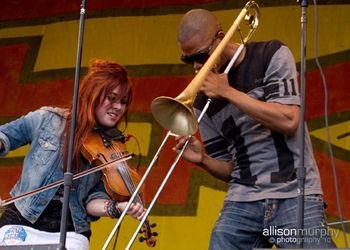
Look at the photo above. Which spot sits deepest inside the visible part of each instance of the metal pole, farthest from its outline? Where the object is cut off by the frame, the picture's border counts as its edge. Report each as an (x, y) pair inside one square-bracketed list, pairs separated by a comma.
[(301, 171), (68, 175)]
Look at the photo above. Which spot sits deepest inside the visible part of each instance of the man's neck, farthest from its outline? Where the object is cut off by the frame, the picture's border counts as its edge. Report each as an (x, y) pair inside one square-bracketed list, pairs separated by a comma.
[(230, 51)]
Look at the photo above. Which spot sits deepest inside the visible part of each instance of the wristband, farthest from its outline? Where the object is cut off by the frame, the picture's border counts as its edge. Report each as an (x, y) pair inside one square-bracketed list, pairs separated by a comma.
[(112, 210)]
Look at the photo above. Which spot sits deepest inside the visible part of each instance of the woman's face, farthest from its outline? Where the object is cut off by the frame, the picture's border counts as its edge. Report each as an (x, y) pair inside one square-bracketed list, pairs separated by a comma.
[(112, 109)]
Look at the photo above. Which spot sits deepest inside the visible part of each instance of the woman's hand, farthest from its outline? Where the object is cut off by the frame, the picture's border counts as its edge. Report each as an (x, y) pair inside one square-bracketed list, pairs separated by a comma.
[(135, 210)]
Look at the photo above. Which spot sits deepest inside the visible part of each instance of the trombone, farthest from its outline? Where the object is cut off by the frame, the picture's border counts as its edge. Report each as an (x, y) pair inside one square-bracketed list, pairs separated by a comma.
[(175, 114)]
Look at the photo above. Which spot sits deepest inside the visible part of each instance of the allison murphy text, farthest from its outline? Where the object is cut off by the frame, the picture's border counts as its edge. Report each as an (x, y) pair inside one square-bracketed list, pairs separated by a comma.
[(294, 235)]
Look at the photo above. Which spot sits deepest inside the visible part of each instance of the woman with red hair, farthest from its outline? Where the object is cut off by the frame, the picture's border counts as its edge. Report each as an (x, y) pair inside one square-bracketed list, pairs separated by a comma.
[(104, 97)]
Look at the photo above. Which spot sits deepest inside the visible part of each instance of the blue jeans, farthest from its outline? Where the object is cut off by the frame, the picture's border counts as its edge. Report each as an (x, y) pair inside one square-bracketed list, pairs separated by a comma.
[(261, 224)]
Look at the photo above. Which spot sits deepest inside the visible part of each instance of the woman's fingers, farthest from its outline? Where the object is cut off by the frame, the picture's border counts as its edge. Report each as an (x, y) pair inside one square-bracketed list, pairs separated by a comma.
[(137, 211)]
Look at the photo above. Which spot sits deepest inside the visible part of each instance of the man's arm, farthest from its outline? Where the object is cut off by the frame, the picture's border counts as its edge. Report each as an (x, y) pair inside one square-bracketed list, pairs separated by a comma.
[(219, 169), (275, 116), (280, 109), (195, 153)]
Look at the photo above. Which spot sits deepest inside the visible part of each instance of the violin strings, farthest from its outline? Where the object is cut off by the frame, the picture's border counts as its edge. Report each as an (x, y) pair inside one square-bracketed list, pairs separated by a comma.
[(124, 173)]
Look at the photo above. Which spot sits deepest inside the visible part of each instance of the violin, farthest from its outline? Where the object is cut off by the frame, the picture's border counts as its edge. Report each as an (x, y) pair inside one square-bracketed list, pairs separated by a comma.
[(120, 180)]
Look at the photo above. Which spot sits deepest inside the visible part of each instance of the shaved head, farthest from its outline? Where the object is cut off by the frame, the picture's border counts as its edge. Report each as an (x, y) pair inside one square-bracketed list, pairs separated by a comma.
[(198, 22)]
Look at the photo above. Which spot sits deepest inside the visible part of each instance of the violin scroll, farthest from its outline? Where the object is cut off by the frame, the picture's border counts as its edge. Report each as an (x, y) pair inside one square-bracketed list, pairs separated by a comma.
[(148, 235)]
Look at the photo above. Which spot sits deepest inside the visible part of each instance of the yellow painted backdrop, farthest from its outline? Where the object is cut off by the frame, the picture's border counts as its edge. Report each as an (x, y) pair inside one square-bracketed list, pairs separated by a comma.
[(38, 41)]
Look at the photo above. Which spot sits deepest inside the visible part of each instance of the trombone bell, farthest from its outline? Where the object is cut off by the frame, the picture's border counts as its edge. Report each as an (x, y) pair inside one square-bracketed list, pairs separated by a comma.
[(174, 115)]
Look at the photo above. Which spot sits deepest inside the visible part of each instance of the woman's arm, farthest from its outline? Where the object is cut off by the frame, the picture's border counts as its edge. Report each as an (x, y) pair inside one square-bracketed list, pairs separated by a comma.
[(99, 207)]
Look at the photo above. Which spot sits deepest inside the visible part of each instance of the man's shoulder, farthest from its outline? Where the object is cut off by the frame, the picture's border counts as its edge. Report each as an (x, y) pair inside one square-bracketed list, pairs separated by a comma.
[(263, 51), (267, 45)]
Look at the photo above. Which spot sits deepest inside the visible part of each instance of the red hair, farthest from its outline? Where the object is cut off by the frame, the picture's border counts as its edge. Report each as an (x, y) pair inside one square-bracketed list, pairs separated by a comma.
[(103, 76)]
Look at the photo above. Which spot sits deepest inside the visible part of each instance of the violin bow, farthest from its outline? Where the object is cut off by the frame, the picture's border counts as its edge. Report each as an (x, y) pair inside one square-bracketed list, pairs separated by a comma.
[(123, 158)]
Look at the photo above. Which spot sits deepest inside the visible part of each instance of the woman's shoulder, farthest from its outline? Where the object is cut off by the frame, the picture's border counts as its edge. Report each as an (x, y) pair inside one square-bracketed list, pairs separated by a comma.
[(54, 110)]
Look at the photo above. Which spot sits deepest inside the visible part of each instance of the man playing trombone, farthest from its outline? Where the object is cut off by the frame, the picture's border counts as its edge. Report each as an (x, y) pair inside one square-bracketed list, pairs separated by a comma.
[(249, 135)]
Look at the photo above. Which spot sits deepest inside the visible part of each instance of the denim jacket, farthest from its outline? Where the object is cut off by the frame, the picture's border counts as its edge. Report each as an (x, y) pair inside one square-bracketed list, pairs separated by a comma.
[(43, 129)]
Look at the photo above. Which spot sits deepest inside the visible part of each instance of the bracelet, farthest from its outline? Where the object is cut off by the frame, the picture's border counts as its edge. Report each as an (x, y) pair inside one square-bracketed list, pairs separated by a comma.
[(111, 208)]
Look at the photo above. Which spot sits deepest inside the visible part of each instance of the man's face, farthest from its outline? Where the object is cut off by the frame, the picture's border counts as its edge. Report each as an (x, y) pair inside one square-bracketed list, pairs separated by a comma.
[(196, 51)]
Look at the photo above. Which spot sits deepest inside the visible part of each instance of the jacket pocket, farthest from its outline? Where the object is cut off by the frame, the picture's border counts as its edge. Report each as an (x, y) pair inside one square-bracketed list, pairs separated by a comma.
[(46, 148)]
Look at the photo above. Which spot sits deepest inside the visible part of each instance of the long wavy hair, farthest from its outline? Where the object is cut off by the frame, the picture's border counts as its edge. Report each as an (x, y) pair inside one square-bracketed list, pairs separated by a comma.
[(102, 78)]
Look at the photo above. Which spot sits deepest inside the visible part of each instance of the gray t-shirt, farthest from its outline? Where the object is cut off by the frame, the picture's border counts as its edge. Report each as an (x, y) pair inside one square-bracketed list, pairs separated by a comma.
[(265, 160)]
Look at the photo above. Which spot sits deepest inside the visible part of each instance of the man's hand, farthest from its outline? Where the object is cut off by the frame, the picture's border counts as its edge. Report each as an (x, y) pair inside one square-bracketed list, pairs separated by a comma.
[(194, 150), (215, 85)]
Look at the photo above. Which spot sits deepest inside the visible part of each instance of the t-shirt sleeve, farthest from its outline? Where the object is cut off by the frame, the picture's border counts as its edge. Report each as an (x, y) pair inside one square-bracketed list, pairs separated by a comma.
[(281, 83)]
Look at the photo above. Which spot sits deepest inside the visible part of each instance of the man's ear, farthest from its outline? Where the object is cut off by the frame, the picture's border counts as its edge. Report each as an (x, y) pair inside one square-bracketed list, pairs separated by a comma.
[(221, 34)]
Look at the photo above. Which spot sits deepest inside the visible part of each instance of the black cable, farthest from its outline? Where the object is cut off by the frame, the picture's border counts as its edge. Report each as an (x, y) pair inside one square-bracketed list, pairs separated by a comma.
[(128, 136), (116, 239), (324, 82)]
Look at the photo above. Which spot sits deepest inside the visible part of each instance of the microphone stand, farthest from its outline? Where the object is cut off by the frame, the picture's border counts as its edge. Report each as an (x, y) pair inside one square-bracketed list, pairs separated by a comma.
[(301, 171), (68, 176)]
